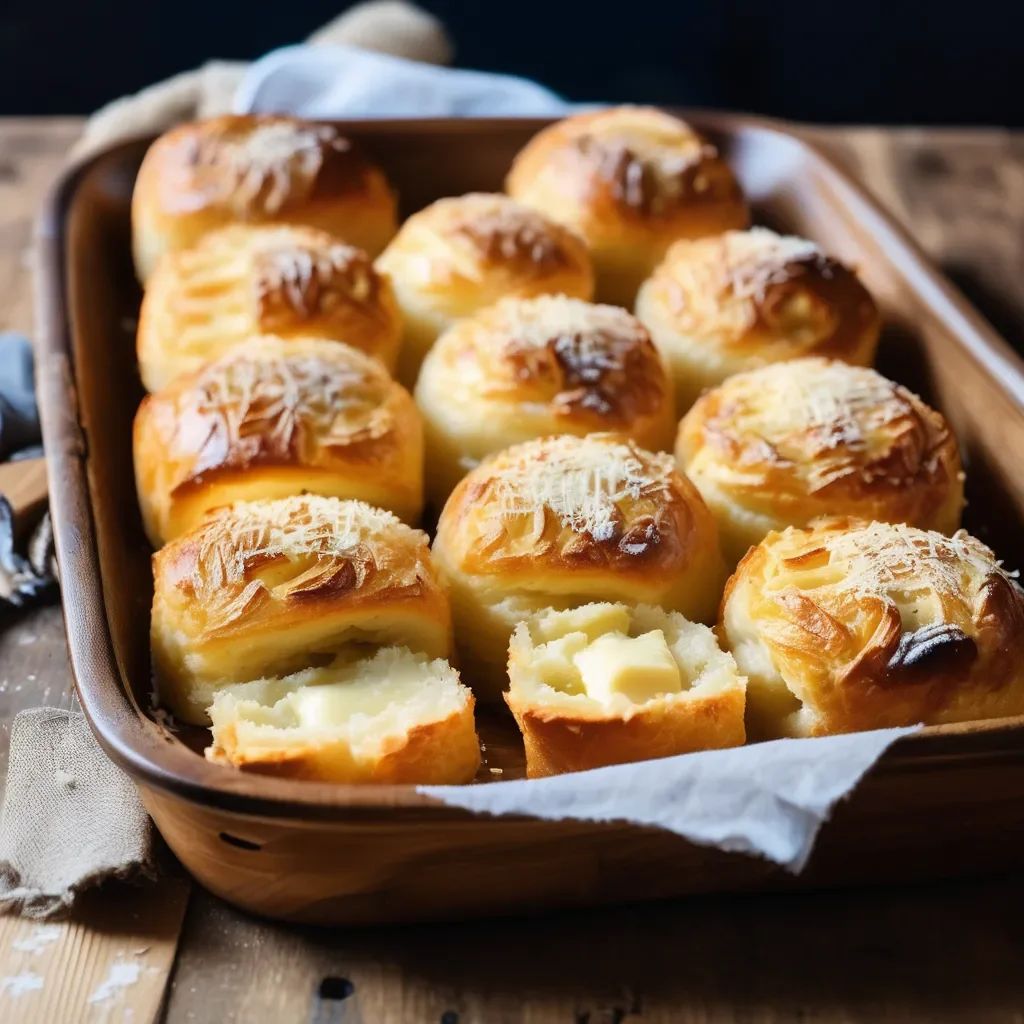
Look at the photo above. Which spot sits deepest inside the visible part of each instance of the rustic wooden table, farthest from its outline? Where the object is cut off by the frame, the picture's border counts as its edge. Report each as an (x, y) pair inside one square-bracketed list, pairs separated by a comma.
[(919, 953)]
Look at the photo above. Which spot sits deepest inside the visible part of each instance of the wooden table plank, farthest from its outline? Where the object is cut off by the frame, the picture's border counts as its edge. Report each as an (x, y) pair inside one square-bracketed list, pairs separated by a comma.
[(949, 952), (109, 962)]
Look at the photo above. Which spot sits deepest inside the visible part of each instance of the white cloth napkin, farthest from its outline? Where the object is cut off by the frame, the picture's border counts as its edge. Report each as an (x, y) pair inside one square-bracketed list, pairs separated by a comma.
[(769, 799), (341, 82)]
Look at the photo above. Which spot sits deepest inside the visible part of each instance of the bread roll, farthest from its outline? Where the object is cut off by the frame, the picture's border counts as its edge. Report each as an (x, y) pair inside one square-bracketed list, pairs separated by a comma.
[(527, 368), (566, 521), (271, 418), (718, 306), (270, 588), (785, 444), (461, 254), (607, 684), (630, 180), (263, 168), (851, 625), (394, 718), (242, 280)]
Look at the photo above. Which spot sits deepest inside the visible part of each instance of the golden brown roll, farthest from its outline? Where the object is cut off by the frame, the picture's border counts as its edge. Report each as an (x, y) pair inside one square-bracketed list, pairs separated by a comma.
[(260, 169), (244, 280), (269, 588), (607, 684), (852, 625), (461, 254), (718, 306), (566, 521), (271, 418), (785, 444), (527, 368), (630, 180), (394, 718)]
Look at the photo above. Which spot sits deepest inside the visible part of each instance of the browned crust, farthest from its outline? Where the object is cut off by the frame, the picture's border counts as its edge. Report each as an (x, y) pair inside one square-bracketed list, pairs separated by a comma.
[(589, 365), (445, 752), (896, 459), (846, 655), (500, 235), (557, 741), (215, 575), (664, 527), (807, 293), (632, 165), (324, 406), (206, 164)]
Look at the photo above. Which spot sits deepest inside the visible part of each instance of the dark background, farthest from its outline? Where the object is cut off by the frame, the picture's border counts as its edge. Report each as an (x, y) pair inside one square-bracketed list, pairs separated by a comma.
[(900, 61)]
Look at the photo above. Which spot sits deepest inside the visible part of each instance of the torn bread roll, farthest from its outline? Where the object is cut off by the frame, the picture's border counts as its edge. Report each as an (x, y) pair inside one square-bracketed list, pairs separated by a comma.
[(258, 169), (528, 368), (396, 717), (565, 521), (609, 684), (791, 442), (719, 306), (466, 252), (271, 418), (270, 588), (243, 280), (630, 180), (850, 625)]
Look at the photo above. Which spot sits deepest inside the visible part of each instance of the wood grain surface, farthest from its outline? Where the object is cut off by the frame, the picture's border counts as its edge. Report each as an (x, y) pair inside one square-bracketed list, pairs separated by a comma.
[(949, 952)]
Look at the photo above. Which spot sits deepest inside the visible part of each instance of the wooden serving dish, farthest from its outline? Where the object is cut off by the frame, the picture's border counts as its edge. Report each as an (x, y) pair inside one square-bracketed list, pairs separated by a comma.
[(944, 801)]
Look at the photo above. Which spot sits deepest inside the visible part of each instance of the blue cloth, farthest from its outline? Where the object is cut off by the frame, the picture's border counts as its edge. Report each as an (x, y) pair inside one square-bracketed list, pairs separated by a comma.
[(19, 417)]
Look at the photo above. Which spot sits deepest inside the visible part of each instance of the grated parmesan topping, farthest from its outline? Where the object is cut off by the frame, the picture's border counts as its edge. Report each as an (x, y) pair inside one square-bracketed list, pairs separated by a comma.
[(583, 481), (891, 561), (535, 323), (809, 394), (262, 164), (289, 393), (882, 556), (310, 279), (253, 531), (728, 278), (825, 417)]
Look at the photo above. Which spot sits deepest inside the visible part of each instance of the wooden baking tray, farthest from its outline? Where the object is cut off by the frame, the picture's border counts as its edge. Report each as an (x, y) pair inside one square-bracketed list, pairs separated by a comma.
[(949, 800)]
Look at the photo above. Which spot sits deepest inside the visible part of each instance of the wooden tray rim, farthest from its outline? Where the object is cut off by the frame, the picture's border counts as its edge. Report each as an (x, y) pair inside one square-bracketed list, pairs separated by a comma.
[(121, 726)]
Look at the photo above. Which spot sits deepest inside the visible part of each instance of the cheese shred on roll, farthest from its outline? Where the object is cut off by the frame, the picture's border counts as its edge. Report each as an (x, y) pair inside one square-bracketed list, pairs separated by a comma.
[(718, 306), (630, 180), (244, 280), (528, 368), (786, 444), (467, 252), (850, 625), (256, 169), (394, 718), (269, 588), (607, 684), (566, 521), (272, 418)]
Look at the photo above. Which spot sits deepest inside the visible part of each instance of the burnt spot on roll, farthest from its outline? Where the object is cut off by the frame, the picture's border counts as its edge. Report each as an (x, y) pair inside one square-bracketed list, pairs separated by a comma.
[(940, 646)]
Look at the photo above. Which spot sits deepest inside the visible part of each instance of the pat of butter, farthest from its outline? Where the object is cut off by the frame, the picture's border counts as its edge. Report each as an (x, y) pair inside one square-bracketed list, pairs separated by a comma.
[(326, 704), (637, 667)]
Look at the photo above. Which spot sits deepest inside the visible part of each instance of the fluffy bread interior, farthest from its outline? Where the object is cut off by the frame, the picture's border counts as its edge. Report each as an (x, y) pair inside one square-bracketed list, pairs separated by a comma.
[(544, 658), (394, 717)]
